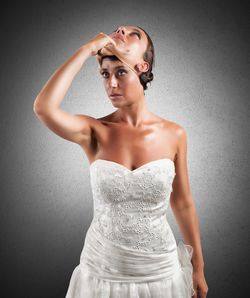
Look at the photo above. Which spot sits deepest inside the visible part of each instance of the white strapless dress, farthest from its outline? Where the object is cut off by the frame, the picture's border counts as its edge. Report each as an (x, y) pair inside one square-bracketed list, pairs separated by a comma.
[(129, 249)]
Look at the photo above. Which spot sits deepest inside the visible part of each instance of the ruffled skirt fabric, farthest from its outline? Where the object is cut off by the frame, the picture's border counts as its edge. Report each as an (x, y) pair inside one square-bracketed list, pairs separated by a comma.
[(111, 270)]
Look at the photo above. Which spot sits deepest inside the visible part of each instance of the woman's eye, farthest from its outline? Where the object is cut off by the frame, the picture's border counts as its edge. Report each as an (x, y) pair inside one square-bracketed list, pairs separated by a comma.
[(121, 70), (103, 73)]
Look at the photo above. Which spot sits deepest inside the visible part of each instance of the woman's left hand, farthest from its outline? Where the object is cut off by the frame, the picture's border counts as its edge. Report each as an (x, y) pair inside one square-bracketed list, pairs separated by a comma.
[(199, 284)]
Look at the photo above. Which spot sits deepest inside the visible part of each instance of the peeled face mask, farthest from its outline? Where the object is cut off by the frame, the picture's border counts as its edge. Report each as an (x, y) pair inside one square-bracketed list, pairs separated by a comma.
[(124, 57)]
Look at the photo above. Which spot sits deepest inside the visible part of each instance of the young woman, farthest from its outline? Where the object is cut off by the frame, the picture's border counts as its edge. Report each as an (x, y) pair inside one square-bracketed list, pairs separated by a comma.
[(138, 167)]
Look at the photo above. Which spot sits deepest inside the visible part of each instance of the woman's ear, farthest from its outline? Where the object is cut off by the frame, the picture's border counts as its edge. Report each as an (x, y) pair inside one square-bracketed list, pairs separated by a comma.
[(142, 67)]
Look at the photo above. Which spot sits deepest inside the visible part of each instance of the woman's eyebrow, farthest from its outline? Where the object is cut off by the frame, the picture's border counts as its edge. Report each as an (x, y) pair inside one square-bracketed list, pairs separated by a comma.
[(119, 66)]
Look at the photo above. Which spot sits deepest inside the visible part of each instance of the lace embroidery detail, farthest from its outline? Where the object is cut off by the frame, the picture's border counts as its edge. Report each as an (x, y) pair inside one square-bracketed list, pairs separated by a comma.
[(130, 206)]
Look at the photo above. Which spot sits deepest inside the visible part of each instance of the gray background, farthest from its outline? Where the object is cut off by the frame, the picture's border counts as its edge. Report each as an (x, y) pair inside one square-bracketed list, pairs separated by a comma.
[(201, 82)]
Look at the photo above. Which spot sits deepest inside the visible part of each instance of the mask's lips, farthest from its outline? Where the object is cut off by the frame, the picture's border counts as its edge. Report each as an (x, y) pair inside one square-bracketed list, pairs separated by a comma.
[(105, 52)]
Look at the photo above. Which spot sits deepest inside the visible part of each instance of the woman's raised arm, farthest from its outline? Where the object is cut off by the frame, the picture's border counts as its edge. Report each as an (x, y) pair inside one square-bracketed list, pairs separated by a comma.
[(75, 128)]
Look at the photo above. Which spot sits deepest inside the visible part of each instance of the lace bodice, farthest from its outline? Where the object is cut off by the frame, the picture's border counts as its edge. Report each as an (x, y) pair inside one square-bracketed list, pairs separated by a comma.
[(130, 205)]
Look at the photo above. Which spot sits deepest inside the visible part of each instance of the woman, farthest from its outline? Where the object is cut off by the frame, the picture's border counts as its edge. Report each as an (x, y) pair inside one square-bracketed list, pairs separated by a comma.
[(138, 166)]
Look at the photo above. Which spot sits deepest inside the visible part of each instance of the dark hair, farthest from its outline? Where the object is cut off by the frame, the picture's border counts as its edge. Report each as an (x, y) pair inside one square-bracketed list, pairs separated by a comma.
[(148, 56)]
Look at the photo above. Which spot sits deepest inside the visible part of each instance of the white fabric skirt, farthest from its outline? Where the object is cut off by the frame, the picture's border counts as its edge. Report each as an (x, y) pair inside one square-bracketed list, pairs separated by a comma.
[(111, 270)]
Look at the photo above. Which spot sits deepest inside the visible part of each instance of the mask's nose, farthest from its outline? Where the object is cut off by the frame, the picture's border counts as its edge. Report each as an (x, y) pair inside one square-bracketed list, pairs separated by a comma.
[(121, 30)]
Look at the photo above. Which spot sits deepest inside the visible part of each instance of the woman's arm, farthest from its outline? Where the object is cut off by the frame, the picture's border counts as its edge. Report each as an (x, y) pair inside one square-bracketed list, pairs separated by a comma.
[(183, 205), (75, 128), (53, 92)]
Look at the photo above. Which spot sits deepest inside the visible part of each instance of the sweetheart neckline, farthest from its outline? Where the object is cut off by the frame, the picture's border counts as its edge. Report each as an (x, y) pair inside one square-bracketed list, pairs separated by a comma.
[(131, 171)]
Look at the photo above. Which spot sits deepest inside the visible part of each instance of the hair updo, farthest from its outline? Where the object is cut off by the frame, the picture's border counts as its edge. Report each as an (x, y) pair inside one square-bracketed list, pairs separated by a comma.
[(148, 56)]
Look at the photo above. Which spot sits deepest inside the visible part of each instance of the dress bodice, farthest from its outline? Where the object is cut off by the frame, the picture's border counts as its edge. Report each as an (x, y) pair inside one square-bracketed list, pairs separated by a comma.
[(129, 248), (130, 205)]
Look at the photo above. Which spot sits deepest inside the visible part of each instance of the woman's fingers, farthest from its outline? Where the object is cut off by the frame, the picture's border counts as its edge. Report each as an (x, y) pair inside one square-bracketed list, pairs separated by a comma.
[(112, 41)]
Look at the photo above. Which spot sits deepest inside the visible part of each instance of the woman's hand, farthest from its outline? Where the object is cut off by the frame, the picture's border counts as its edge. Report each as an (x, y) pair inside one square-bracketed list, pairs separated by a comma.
[(199, 284), (120, 52), (104, 45), (99, 42)]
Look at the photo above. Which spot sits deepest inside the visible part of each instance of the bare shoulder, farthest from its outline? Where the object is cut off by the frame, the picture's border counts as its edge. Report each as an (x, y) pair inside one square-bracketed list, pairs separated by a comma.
[(179, 134), (178, 129), (95, 123), (173, 127), (175, 132), (99, 125), (107, 118)]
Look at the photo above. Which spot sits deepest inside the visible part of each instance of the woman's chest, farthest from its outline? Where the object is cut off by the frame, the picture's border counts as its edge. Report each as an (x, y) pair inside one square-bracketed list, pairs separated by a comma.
[(139, 145)]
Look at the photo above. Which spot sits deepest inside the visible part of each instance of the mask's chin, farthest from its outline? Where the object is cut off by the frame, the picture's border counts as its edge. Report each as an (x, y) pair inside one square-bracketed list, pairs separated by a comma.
[(118, 49), (125, 58)]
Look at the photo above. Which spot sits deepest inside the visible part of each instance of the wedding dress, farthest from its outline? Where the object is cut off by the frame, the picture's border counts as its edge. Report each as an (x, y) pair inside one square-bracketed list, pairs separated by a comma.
[(129, 249)]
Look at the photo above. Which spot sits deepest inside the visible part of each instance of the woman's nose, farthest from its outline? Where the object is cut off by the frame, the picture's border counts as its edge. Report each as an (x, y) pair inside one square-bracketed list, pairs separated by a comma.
[(113, 81)]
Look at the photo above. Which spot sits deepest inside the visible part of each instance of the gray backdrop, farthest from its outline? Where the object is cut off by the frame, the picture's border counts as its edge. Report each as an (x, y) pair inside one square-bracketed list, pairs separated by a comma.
[(201, 82)]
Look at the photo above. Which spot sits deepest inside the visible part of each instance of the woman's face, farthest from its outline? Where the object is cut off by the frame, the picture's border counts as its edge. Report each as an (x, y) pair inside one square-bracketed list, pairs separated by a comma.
[(120, 79), (117, 76)]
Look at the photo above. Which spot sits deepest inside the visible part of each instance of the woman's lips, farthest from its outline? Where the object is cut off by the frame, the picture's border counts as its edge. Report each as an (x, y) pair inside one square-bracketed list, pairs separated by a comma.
[(115, 95)]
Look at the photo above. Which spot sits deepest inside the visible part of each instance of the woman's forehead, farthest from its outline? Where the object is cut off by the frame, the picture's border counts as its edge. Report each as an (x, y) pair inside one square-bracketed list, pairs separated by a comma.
[(109, 64)]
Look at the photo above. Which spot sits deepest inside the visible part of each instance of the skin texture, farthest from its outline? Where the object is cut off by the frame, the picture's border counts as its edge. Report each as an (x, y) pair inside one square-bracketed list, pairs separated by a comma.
[(131, 136)]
